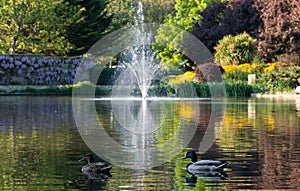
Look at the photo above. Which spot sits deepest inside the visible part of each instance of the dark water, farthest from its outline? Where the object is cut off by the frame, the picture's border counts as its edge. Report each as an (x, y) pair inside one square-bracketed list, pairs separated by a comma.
[(40, 146)]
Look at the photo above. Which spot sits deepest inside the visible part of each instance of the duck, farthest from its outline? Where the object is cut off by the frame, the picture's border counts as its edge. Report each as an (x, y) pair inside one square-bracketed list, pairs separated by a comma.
[(95, 170), (199, 167)]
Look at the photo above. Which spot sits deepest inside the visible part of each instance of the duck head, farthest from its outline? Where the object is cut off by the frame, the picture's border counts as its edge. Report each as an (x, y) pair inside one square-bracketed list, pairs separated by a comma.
[(192, 155), (89, 158)]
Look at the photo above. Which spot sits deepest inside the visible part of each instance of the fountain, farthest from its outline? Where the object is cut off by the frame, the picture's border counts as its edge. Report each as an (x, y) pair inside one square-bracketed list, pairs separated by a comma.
[(142, 117), (141, 66)]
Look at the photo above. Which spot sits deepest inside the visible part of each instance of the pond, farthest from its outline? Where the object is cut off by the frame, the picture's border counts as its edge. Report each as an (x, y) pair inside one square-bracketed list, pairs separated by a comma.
[(40, 145)]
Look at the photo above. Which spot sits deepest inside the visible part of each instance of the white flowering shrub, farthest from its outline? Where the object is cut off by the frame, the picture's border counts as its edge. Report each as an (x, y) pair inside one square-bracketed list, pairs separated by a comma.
[(38, 69)]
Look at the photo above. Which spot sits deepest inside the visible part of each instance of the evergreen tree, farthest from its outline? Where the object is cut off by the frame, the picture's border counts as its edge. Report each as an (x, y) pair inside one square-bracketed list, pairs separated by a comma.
[(91, 26)]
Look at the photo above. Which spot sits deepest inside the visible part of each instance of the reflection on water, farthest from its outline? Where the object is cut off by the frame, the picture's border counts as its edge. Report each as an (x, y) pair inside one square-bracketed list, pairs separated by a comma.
[(40, 146)]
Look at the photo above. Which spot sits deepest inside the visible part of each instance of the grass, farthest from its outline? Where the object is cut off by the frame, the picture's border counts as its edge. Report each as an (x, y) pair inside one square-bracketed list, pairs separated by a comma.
[(67, 91), (232, 89)]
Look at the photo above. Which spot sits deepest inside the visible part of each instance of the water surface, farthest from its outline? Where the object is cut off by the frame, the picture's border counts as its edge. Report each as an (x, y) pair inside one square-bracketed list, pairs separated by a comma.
[(40, 146)]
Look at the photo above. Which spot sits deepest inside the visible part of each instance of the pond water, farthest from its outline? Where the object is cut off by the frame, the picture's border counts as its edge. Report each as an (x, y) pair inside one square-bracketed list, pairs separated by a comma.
[(40, 146)]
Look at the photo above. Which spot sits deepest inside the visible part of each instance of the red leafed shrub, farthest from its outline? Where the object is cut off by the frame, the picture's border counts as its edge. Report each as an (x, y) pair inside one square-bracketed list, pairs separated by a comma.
[(227, 18), (209, 72), (280, 33)]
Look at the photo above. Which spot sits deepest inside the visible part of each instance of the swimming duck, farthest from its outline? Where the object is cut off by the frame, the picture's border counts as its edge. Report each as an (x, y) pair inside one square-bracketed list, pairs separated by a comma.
[(197, 167), (95, 170)]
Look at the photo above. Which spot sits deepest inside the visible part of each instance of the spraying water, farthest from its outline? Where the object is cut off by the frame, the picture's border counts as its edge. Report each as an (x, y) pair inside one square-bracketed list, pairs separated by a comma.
[(138, 115), (140, 65)]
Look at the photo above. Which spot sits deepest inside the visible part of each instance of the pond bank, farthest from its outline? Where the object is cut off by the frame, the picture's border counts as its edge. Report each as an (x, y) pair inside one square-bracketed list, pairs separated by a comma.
[(289, 95), (100, 90), (46, 90)]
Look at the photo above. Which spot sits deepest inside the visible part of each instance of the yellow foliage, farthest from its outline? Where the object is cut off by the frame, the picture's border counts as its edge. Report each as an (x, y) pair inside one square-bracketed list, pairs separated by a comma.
[(270, 67), (229, 68), (251, 68), (186, 77)]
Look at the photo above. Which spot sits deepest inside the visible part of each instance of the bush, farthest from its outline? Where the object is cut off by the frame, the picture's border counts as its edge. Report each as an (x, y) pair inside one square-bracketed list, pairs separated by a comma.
[(283, 79), (280, 33), (38, 69), (181, 78), (240, 72), (236, 49), (209, 72), (225, 18), (106, 77), (236, 75)]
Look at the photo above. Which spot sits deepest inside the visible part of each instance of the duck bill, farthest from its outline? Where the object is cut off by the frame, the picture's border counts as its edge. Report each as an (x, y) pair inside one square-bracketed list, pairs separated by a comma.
[(81, 159), (184, 157)]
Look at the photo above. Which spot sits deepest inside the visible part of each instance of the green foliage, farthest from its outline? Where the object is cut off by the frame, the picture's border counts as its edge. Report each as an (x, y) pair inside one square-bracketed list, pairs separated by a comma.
[(84, 84), (122, 12), (187, 13), (87, 86), (185, 17), (236, 75), (283, 79), (105, 76), (35, 26), (61, 90), (202, 89), (160, 90), (183, 7), (239, 89), (233, 89), (90, 27), (237, 49)]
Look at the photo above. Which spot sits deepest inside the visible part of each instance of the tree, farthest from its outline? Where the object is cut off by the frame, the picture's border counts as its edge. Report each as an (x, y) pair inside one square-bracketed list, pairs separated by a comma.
[(280, 32), (185, 17), (227, 18), (123, 11), (33, 26), (90, 27)]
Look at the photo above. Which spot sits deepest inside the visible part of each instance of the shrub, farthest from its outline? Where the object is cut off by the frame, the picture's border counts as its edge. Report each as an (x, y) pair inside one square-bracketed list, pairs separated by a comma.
[(236, 75), (240, 72), (161, 90), (106, 77), (236, 49), (289, 59), (282, 79), (186, 77), (225, 18), (280, 32), (38, 69), (252, 68), (209, 72)]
